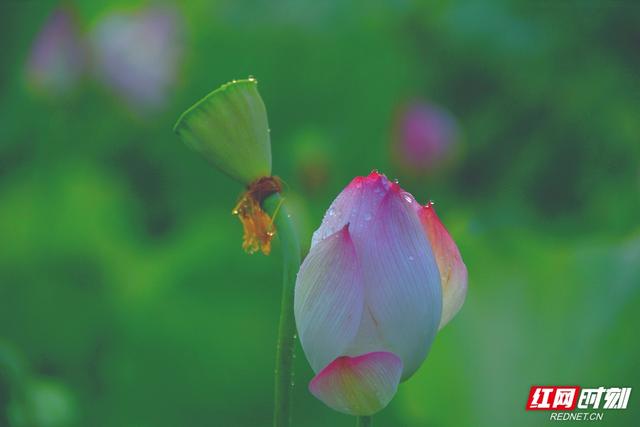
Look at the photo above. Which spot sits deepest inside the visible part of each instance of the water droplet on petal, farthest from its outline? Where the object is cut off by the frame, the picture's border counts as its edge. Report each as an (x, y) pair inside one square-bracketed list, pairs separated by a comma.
[(411, 258), (367, 217)]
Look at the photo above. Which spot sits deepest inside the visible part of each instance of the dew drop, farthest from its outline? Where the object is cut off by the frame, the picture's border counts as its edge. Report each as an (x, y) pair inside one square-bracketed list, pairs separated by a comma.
[(367, 217), (411, 258), (331, 212), (408, 198)]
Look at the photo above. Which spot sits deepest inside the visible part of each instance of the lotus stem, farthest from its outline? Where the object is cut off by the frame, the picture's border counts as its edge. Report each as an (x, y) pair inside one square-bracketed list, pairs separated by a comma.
[(364, 422), (287, 327)]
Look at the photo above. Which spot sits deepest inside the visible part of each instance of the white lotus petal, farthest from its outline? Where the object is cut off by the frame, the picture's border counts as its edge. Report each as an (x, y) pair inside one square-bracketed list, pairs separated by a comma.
[(329, 298)]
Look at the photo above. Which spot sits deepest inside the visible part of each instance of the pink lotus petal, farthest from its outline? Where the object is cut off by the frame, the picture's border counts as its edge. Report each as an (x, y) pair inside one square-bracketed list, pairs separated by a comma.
[(361, 385), (403, 300), (329, 298), (453, 272)]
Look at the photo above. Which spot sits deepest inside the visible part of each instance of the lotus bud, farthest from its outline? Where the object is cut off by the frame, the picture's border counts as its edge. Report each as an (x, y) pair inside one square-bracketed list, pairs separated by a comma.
[(425, 138), (369, 298)]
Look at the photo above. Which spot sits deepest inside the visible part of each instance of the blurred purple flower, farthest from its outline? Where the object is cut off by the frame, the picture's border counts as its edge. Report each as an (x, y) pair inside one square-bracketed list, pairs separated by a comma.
[(137, 54), (425, 137), (57, 57)]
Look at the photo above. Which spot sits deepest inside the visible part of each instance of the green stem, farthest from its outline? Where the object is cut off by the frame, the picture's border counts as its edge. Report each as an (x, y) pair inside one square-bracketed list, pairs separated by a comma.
[(364, 422), (287, 329)]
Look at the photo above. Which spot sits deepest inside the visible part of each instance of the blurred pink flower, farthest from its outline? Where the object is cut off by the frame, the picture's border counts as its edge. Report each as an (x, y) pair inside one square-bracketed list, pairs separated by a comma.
[(381, 278), (137, 54), (425, 137), (56, 61)]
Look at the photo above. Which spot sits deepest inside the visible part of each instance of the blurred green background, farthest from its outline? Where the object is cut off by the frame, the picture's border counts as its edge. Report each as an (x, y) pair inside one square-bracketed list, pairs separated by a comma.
[(125, 297)]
